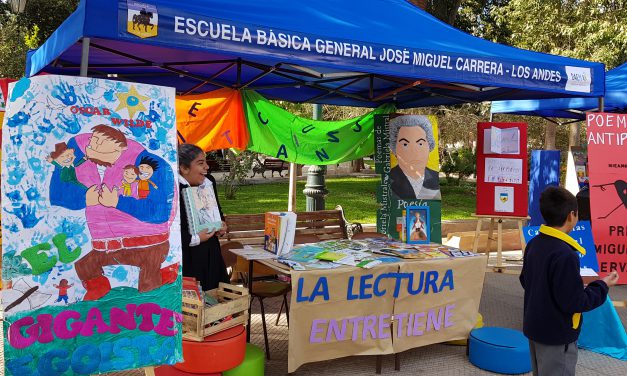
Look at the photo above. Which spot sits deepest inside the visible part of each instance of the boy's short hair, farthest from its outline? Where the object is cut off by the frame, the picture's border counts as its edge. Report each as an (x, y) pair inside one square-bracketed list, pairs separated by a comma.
[(131, 167), (555, 205), (58, 150), (150, 162)]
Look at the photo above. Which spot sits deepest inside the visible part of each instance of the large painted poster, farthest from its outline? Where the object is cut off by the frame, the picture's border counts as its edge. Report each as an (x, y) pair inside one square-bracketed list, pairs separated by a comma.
[(406, 156), (607, 166), (91, 229)]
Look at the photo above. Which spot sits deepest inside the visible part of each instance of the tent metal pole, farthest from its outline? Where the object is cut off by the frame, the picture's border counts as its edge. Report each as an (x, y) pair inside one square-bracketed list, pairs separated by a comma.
[(85, 57), (601, 104), (291, 204), (491, 116)]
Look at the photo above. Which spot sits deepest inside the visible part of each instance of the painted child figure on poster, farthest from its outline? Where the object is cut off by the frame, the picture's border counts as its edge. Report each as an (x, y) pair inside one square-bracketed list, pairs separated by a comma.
[(63, 286), (64, 158)]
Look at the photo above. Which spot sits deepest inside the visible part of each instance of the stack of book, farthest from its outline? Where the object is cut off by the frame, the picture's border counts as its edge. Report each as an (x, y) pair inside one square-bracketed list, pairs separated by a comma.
[(279, 232), (192, 289)]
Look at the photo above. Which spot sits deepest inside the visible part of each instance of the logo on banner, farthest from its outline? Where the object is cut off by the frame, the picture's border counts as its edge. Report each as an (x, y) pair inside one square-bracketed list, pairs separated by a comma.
[(143, 20), (504, 197), (578, 79)]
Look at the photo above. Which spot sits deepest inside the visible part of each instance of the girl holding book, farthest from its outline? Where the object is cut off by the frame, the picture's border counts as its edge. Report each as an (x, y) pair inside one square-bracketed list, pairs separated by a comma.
[(202, 257)]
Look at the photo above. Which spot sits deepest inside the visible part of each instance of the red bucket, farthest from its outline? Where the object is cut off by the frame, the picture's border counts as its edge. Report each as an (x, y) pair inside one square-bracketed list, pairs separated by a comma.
[(218, 352)]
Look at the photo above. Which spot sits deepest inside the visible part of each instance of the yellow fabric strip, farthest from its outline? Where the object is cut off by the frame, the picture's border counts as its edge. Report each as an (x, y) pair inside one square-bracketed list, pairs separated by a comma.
[(550, 231), (576, 320)]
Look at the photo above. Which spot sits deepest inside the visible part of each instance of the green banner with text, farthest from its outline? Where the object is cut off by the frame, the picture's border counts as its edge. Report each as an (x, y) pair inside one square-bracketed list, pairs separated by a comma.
[(278, 133)]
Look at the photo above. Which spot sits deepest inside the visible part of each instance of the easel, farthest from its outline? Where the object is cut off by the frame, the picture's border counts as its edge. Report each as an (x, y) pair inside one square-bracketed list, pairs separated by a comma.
[(499, 268)]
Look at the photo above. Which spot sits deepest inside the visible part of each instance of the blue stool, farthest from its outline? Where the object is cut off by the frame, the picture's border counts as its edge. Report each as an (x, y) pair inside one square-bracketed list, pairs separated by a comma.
[(499, 350)]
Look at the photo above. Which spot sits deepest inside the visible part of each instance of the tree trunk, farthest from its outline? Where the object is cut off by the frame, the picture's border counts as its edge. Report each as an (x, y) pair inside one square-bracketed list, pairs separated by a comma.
[(230, 182), (444, 10), (573, 135), (18, 6), (357, 165), (549, 136), (422, 4)]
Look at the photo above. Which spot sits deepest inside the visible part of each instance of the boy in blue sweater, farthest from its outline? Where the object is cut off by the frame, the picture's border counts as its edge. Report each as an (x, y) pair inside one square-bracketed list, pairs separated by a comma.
[(555, 295)]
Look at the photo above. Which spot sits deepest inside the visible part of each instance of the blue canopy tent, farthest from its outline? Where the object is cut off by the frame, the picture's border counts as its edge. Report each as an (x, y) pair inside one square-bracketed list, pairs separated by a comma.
[(332, 52), (614, 100)]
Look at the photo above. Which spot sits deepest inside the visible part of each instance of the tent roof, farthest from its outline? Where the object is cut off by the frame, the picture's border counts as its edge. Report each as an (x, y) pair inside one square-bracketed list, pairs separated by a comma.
[(615, 100), (317, 51)]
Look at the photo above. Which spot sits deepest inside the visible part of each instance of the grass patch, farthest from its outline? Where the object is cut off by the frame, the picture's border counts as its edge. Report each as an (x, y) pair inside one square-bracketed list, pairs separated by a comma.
[(458, 201), (356, 195)]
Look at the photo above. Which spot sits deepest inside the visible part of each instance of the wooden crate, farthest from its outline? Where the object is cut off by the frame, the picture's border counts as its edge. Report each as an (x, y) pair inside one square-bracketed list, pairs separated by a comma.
[(198, 319)]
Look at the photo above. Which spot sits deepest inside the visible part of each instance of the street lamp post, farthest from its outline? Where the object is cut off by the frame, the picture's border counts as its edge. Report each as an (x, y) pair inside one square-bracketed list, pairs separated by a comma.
[(315, 188)]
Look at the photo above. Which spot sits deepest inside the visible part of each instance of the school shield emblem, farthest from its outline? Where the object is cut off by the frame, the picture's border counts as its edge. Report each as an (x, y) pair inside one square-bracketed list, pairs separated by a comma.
[(143, 20), (504, 197)]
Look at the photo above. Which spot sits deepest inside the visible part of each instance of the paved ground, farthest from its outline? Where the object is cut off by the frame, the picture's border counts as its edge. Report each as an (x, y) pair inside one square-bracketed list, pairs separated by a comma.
[(501, 305)]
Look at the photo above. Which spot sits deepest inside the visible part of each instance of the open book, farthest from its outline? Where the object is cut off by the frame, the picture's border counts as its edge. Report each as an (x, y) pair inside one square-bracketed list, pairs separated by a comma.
[(279, 232), (202, 209)]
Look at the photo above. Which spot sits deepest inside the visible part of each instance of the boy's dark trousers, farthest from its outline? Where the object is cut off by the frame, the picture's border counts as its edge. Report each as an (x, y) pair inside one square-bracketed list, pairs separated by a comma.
[(548, 360)]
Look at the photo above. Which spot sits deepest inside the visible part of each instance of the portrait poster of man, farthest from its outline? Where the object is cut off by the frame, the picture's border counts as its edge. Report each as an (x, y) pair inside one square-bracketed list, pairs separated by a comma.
[(414, 157), (406, 156), (91, 268)]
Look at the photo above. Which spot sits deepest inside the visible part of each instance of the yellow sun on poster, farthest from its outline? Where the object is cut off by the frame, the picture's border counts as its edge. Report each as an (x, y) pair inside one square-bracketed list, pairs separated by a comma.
[(132, 101)]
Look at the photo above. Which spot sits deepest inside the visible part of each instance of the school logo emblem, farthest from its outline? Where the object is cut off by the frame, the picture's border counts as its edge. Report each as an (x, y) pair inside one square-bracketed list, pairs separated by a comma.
[(143, 20), (504, 197)]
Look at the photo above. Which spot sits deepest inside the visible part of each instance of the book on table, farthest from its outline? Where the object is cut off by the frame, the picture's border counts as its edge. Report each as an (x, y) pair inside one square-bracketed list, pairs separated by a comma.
[(202, 209), (279, 232)]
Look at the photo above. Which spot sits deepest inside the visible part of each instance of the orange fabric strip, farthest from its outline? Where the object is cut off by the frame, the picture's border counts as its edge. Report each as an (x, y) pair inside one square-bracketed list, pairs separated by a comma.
[(213, 120)]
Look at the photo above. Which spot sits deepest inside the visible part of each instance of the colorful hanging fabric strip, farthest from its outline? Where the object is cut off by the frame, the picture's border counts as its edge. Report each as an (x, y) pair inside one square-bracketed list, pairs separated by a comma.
[(278, 133), (213, 121)]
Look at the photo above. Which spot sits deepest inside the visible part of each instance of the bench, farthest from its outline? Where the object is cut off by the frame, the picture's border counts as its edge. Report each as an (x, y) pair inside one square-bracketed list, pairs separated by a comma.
[(248, 229), (270, 164)]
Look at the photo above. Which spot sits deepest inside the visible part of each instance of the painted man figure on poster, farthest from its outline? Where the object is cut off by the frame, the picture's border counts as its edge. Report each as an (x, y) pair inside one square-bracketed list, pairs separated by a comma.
[(124, 230), (411, 141)]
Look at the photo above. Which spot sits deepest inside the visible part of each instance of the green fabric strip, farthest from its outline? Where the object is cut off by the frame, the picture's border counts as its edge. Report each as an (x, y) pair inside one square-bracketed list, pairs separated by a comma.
[(278, 133)]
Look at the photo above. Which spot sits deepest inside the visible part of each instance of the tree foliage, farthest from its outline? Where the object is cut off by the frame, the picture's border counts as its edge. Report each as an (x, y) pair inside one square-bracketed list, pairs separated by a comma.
[(240, 164), (15, 41), (21, 32), (477, 17), (593, 30), (445, 10)]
